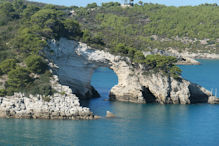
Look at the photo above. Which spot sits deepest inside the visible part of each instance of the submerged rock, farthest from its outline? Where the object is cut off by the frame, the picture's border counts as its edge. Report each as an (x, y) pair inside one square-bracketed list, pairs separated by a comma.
[(213, 100), (97, 117), (109, 115)]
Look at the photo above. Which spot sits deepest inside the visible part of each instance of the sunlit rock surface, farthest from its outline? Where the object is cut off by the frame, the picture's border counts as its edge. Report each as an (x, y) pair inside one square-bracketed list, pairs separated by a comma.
[(76, 63), (73, 70), (61, 105)]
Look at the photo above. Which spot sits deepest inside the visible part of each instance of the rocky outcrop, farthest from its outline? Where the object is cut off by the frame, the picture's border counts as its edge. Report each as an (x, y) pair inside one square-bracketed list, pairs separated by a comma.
[(110, 114), (185, 57), (182, 59), (73, 70), (200, 55), (189, 57), (164, 90), (76, 63), (157, 88), (62, 105)]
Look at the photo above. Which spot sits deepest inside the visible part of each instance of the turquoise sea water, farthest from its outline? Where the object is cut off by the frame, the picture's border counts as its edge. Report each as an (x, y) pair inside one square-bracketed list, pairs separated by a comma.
[(136, 124), (206, 74)]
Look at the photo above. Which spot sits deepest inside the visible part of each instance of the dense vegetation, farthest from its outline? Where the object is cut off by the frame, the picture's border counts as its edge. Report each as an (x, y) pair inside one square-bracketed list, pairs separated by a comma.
[(25, 28), (149, 26), (24, 31)]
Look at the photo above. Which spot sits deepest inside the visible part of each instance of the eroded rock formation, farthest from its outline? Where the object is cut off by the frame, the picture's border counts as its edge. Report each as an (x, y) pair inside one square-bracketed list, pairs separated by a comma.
[(73, 70), (62, 105), (76, 63)]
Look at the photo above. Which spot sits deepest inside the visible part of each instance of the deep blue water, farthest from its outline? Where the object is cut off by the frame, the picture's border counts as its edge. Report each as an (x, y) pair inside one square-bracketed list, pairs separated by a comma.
[(206, 74), (136, 124)]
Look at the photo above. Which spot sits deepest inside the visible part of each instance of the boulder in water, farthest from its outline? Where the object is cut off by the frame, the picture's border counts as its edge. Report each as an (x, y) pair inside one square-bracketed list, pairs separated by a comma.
[(109, 115)]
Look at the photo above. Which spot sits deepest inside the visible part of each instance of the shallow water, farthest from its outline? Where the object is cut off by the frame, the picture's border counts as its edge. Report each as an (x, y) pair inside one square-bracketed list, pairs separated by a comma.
[(136, 124)]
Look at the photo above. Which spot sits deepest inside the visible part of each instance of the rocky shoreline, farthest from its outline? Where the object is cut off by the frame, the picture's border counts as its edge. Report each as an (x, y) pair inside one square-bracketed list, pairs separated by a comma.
[(201, 55), (184, 58), (62, 105), (189, 58)]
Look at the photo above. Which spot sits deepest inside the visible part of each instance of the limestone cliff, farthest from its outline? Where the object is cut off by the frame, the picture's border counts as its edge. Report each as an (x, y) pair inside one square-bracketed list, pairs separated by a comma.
[(76, 63), (73, 70)]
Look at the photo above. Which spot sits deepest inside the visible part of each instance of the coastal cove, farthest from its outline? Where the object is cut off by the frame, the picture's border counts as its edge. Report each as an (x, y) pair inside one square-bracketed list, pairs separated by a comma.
[(195, 124)]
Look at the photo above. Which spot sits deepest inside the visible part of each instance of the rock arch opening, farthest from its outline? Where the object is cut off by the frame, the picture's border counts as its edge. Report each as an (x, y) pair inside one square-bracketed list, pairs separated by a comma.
[(103, 79)]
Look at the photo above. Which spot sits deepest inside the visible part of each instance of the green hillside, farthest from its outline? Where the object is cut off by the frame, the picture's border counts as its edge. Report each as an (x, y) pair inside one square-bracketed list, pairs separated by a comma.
[(150, 26)]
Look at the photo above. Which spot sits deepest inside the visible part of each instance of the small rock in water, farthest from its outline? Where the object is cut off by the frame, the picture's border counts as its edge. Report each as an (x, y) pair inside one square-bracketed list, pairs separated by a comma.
[(97, 117), (109, 115)]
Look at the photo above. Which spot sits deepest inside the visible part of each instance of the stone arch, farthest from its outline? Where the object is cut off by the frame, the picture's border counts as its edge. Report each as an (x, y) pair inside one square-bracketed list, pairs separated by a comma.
[(74, 69), (75, 63)]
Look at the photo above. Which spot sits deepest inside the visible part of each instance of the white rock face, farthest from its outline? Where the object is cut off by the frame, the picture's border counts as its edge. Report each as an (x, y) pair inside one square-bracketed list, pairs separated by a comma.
[(201, 55), (189, 57), (76, 63), (73, 70), (63, 105)]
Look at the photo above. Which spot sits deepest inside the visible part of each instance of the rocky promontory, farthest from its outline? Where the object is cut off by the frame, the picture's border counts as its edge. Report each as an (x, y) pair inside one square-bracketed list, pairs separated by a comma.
[(76, 62), (62, 105)]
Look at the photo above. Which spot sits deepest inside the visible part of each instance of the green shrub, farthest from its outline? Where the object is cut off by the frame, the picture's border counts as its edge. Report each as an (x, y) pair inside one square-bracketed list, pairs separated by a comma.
[(29, 11), (28, 40), (10, 91), (94, 40), (139, 57), (131, 52), (92, 5), (163, 63), (1, 73), (7, 65), (62, 93), (42, 17), (175, 72), (111, 4), (8, 11), (86, 36), (46, 98), (121, 49), (36, 64), (18, 78), (3, 92), (71, 28), (41, 86), (159, 61), (97, 39)]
